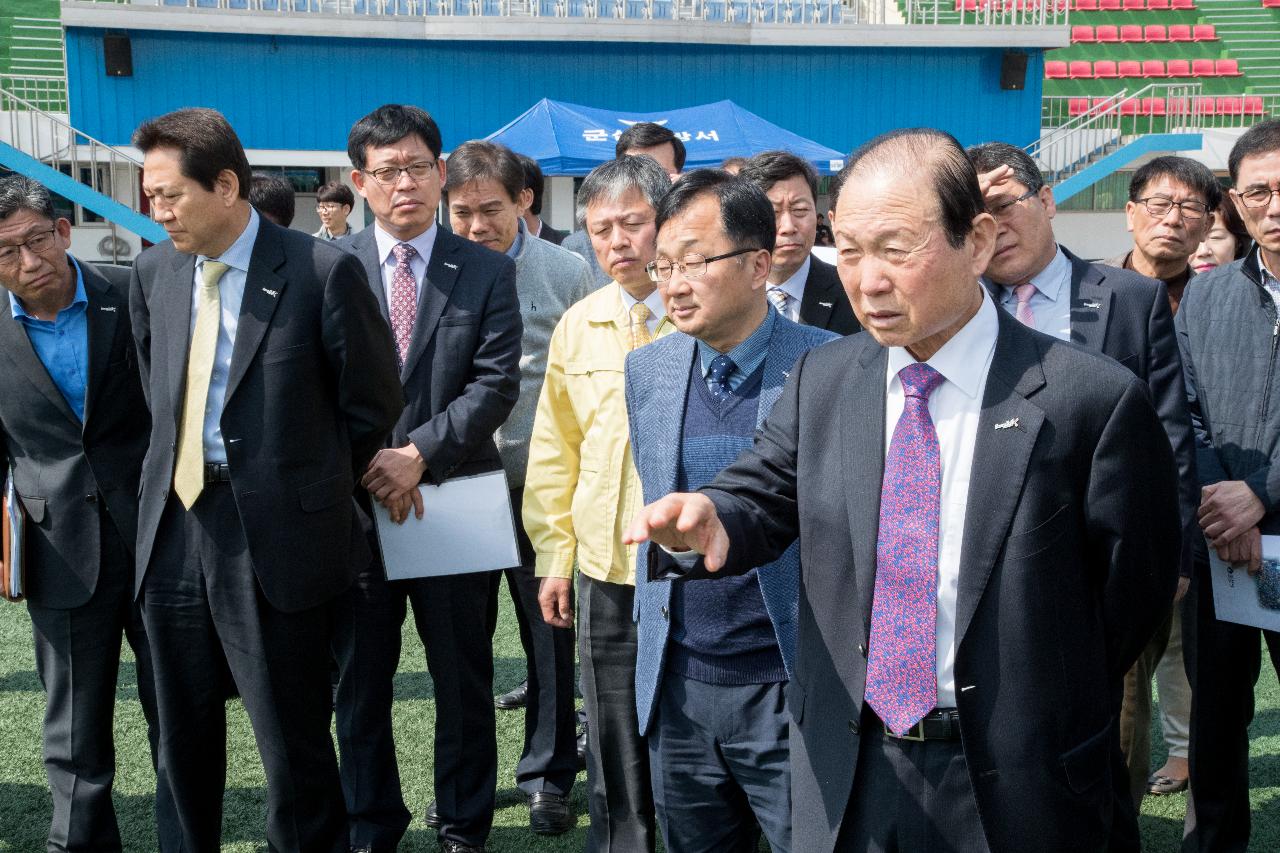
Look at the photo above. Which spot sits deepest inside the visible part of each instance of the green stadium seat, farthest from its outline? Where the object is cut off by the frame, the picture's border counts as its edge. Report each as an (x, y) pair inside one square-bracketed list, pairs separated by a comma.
[(1130, 33), (1179, 32), (1105, 69), (1055, 70), (1227, 68), (1179, 68), (1081, 70), (1155, 32), (1153, 68), (1081, 35), (1106, 33)]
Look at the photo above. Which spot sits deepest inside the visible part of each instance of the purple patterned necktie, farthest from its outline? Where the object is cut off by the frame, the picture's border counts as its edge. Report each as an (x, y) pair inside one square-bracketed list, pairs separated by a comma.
[(902, 683), (404, 298)]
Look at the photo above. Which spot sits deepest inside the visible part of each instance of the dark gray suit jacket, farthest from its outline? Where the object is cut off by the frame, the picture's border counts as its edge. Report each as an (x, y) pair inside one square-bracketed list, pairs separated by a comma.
[(311, 396), (825, 304), (1068, 564), (63, 468), (552, 235)]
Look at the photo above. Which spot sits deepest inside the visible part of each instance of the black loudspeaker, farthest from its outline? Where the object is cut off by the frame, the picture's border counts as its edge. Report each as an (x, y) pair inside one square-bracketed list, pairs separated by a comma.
[(1013, 71), (117, 53)]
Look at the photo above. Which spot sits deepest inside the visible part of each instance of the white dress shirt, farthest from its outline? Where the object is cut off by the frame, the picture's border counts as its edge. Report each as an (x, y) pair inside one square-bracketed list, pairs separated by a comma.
[(1051, 302), (230, 296), (656, 309), (794, 288), (955, 407), (417, 264)]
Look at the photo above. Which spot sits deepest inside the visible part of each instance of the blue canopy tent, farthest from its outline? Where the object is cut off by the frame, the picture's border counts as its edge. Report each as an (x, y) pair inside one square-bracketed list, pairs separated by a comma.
[(567, 139)]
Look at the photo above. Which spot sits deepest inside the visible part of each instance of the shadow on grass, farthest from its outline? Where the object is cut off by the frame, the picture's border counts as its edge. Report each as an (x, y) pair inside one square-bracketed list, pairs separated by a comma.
[(409, 684), (21, 681)]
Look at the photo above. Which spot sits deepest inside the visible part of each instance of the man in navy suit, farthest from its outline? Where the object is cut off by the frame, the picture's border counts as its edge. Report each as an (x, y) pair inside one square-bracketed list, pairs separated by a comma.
[(714, 658)]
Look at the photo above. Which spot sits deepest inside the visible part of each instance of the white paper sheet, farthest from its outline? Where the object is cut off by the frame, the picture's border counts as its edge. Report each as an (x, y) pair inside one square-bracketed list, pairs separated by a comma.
[(467, 526), (1244, 598)]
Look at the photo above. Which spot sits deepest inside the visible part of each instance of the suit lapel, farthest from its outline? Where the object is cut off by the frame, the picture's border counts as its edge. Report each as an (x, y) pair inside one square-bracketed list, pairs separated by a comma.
[(1000, 458), (104, 308), (175, 307), (263, 288), (667, 406), (365, 247), (14, 341), (778, 362), (818, 301), (1090, 304), (442, 274), (862, 419)]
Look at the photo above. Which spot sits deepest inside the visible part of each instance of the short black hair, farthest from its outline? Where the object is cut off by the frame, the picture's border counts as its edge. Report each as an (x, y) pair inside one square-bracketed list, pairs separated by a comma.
[(480, 160), (766, 169), (646, 134), (955, 181), (336, 192), (206, 144), (992, 155), (1190, 173), (533, 180), (733, 163), (834, 185), (387, 125), (272, 195), (1262, 138), (745, 212)]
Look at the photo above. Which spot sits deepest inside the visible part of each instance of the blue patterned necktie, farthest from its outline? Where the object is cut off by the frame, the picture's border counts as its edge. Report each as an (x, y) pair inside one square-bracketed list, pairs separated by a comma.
[(721, 368), (902, 683)]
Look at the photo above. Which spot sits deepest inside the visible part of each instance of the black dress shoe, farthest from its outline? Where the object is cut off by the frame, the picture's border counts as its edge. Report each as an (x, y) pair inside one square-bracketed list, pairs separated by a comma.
[(458, 847), (582, 747), (514, 699), (432, 817), (549, 813)]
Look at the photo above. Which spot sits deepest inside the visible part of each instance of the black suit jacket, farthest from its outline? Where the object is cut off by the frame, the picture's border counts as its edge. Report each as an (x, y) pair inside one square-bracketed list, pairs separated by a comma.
[(461, 377), (63, 468), (1068, 565), (311, 396), (825, 304), (552, 235)]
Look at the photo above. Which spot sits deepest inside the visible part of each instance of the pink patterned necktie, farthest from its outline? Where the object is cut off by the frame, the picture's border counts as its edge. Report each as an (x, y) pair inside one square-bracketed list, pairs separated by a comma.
[(1023, 294), (404, 298), (902, 684)]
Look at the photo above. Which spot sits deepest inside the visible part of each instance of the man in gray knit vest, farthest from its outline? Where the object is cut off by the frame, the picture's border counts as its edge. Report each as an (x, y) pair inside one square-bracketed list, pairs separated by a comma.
[(486, 194)]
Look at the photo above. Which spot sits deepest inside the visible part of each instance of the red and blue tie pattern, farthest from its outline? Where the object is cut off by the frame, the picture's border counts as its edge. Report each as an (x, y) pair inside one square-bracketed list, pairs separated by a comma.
[(902, 683), (404, 298)]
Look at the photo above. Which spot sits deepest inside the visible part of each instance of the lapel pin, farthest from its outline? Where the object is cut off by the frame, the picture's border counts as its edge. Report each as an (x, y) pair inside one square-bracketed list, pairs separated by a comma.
[(825, 304), (110, 308), (786, 374), (1012, 423), (272, 293), (1092, 304), (450, 266)]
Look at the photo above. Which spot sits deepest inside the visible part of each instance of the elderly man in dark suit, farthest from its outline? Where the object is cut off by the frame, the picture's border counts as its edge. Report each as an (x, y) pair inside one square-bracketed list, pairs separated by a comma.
[(803, 288), (271, 382), (453, 310), (989, 534), (73, 431)]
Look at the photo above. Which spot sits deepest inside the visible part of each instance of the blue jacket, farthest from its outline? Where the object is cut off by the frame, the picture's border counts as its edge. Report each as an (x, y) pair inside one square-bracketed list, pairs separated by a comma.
[(657, 382)]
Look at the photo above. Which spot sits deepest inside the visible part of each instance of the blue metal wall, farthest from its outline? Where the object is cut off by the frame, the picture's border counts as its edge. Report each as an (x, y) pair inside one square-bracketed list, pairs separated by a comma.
[(305, 93)]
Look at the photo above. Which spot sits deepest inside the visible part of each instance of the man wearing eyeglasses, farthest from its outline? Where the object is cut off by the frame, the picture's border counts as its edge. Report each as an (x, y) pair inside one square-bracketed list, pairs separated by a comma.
[(455, 318), (1119, 314), (1229, 333)]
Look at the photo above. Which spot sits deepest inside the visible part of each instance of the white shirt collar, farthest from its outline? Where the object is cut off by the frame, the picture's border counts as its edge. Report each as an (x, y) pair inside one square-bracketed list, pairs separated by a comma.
[(794, 286), (963, 360), (653, 300), (422, 243), (239, 253)]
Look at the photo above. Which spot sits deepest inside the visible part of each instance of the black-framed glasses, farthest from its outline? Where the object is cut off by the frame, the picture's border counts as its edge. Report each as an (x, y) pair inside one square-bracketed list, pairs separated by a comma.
[(1256, 196), (333, 206), (1004, 208), (38, 243), (692, 265), (1159, 207), (390, 175)]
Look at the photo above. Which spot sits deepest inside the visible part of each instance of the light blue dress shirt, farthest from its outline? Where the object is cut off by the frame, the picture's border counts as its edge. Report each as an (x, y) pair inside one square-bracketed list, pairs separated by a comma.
[(1051, 303), (746, 356), (518, 243), (231, 295), (62, 344)]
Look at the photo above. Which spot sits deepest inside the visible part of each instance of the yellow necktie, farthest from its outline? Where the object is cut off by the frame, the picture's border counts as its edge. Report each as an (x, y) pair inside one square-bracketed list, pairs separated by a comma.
[(188, 468), (640, 315)]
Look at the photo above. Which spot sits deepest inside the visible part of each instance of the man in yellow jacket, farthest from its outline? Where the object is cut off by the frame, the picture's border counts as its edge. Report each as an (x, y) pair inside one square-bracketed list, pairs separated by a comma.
[(581, 489)]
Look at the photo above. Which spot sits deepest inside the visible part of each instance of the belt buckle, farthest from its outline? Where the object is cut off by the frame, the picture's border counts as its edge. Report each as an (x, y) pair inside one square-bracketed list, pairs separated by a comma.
[(915, 733)]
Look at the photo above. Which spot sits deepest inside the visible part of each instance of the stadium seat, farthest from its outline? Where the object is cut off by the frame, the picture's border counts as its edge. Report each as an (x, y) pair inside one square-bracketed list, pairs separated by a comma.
[(1202, 68), (1077, 106), (1204, 32), (1204, 105), (1105, 69), (1153, 106), (1270, 4), (1179, 32), (1130, 33), (1130, 107), (739, 11), (1086, 5), (1125, 68), (1253, 104), (1155, 32), (1081, 35), (1134, 5), (1103, 105), (1179, 68), (1157, 5), (1109, 5), (491, 7), (1106, 33), (1178, 106), (1081, 70), (1183, 5), (1054, 70), (1153, 68), (1227, 68), (1230, 105), (577, 8)]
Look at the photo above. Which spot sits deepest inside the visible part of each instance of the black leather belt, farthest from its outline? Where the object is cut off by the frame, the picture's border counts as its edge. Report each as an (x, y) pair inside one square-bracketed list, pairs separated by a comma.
[(216, 472), (938, 724)]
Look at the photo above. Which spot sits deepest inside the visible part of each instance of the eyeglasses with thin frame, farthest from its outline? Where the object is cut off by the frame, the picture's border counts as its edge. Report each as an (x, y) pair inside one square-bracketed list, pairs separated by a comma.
[(334, 207), (1004, 208), (390, 175), (1159, 207), (1256, 196), (692, 265), (38, 244)]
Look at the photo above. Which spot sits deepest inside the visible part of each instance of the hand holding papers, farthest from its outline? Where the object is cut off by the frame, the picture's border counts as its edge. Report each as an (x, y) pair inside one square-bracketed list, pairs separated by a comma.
[(1244, 598), (11, 554)]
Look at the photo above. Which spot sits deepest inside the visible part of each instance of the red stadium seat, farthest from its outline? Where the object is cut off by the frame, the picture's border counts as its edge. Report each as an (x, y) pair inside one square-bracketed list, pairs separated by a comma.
[(1153, 68), (1081, 70), (1202, 68), (1103, 105), (1253, 103), (1183, 5), (1155, 32), (1157, 5), (1179, 32), (1109, 5), (1078, 106), (1130, 32), (1125, 68), (1204, 105), (1230, 105), (1130, 107), (1054, 70), (1179, 68), (1270, 4), (1204, 32), (1227, 68), (1179, 106), (1081, 35), (1106, 33), (1105, 69), (1153, 106), (1086, 5), (1135, 5)]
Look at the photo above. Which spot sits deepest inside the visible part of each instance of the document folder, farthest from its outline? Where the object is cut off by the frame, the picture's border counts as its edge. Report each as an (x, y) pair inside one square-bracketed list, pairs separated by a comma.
[(12, 559)]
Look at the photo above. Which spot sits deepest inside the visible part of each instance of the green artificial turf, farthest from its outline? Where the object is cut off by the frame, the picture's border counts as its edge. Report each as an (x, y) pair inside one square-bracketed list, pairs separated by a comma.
[(25, 803)]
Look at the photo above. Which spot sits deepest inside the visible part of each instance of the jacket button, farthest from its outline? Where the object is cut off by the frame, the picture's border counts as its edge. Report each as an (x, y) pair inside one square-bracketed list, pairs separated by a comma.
[(854, 727), (862, 649), (664, 612), (91, 499)]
